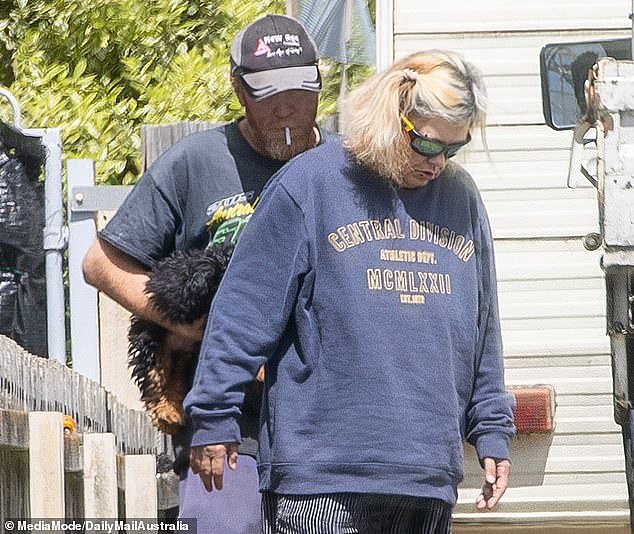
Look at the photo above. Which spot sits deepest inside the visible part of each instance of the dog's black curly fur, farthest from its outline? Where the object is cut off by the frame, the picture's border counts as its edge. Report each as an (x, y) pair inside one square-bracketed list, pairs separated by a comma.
[(181, 286)]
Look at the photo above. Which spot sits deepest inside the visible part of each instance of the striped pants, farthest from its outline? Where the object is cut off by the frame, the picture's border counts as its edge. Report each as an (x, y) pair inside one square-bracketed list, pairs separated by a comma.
[(354, 513)]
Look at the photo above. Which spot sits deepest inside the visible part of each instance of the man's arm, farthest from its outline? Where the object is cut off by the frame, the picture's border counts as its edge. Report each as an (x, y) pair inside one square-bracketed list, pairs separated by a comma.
[(123, 279)]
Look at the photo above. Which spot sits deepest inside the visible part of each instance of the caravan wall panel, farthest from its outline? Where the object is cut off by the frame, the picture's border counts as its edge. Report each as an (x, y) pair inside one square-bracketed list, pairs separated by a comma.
[(551, 290)]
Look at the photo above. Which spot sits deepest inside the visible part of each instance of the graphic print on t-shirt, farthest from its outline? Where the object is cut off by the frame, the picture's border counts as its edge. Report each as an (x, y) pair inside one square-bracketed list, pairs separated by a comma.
[(228, 217), (412, 285)]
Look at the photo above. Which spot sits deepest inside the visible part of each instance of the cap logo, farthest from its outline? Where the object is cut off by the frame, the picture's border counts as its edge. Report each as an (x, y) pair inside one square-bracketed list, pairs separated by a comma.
[(261, 48), (285, 45)]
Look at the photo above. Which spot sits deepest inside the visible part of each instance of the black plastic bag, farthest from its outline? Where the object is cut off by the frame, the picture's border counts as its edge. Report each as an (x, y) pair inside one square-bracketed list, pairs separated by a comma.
[(22, 261), (9, 284), (21, 205)]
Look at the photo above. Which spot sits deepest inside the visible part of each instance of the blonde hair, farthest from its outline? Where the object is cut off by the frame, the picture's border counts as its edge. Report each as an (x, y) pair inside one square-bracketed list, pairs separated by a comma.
[(425, 85)]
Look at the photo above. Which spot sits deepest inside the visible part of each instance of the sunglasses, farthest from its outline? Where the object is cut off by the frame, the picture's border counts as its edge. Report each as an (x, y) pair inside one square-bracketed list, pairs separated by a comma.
[(428, 147)]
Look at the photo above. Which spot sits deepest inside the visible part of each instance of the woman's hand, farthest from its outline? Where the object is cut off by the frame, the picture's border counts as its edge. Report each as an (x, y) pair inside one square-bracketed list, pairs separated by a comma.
[(496, 480)]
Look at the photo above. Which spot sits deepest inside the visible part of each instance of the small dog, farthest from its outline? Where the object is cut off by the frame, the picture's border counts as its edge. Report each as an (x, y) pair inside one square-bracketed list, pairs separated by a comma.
[(181, 286)]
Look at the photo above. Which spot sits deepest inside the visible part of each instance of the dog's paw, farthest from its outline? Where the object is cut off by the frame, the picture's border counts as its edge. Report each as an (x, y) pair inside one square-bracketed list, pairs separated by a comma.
[(166, 415)]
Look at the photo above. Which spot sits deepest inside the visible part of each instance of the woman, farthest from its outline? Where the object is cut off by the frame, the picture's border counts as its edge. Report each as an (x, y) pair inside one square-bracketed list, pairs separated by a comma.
[(365, 281)]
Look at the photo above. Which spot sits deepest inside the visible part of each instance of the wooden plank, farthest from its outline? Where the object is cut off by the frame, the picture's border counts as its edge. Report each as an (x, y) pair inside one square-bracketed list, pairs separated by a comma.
[(580, 459), (14, 482), (46, 465), (100, 476), (73, 452), (14, 429), (167, 489), (515, 104), (114, 321), (157, 138), (137, 477), (74, 495), (84, 320), (572, 411)]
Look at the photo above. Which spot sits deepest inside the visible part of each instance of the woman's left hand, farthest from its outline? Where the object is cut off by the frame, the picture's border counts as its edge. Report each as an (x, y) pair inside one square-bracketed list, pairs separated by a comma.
[(496, 480)]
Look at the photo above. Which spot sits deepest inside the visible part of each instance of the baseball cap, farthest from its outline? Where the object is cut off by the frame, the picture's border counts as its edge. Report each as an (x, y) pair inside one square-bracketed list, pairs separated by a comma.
[(274, 54)]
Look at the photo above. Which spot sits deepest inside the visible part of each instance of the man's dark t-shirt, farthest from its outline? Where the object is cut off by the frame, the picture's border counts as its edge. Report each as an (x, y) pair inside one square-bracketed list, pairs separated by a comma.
[(196, 186)]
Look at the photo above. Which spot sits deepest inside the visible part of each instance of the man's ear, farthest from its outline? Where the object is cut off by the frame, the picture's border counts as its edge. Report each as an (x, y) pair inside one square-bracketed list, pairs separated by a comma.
[(238, 90)]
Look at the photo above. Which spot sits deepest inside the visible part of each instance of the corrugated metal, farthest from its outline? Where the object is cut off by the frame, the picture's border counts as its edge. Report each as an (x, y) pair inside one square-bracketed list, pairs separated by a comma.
[(551, 290), (546, 260), (551, 299), (483, 49), (513, 153), (542, 213), (460, 16)]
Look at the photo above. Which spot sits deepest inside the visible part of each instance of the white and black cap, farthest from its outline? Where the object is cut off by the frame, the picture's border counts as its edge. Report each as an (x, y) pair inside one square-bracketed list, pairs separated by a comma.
[(275, 54)]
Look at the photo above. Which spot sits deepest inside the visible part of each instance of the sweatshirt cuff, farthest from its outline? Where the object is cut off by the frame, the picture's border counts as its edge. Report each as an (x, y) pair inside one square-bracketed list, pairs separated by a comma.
[(493, 445), (210, 430)]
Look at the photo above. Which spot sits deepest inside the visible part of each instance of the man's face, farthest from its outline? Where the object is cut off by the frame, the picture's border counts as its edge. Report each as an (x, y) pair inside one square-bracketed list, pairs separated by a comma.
[(269, 119)]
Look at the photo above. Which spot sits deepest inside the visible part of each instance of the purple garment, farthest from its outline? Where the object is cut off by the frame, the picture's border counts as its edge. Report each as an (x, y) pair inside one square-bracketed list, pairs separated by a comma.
[(234, 510)]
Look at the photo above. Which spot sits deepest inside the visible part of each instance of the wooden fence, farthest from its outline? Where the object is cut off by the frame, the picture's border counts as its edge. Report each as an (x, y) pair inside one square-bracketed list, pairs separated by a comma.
[(104, 468)]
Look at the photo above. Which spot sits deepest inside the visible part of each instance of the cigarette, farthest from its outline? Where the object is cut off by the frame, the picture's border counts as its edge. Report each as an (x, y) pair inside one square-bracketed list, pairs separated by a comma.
[(287, 133)]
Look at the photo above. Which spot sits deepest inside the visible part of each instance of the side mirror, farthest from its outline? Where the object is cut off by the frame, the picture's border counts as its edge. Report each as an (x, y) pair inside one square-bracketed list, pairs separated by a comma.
[(564, 70)]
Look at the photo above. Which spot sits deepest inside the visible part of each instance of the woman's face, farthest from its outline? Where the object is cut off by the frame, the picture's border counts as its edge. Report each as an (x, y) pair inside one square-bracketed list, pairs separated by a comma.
[(423, 170)]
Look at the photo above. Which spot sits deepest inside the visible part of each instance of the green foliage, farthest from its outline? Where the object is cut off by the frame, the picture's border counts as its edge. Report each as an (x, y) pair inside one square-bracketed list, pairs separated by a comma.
[(98, 69), (332, 79)]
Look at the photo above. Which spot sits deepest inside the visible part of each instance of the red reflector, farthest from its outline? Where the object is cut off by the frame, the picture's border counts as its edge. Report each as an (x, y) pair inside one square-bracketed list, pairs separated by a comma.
[(534, 408)]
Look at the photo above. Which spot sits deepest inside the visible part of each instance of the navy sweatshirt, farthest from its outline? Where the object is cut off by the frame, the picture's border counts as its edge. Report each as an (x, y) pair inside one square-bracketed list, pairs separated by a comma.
[(375, 310)]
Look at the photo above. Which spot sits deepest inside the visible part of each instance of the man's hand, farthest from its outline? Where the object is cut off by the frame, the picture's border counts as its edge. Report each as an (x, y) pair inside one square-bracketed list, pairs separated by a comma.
[(209, 462), (496, 480)]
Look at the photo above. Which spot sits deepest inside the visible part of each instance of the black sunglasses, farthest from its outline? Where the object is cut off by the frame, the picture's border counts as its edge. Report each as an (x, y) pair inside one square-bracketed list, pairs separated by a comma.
[(428, 147)]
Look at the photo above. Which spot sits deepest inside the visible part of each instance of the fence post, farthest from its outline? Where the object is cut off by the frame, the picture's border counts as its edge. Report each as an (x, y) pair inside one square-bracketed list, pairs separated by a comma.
[(100, 476), (140, 486), (84, 319), (54, 244), (46, 465)]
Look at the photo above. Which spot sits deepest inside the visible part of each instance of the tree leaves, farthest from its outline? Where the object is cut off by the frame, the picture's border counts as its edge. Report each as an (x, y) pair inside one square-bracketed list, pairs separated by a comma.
[(98, 69)]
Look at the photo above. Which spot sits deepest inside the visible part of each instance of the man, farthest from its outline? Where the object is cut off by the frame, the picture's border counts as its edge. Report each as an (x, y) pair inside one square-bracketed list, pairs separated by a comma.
[(203, 190)]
